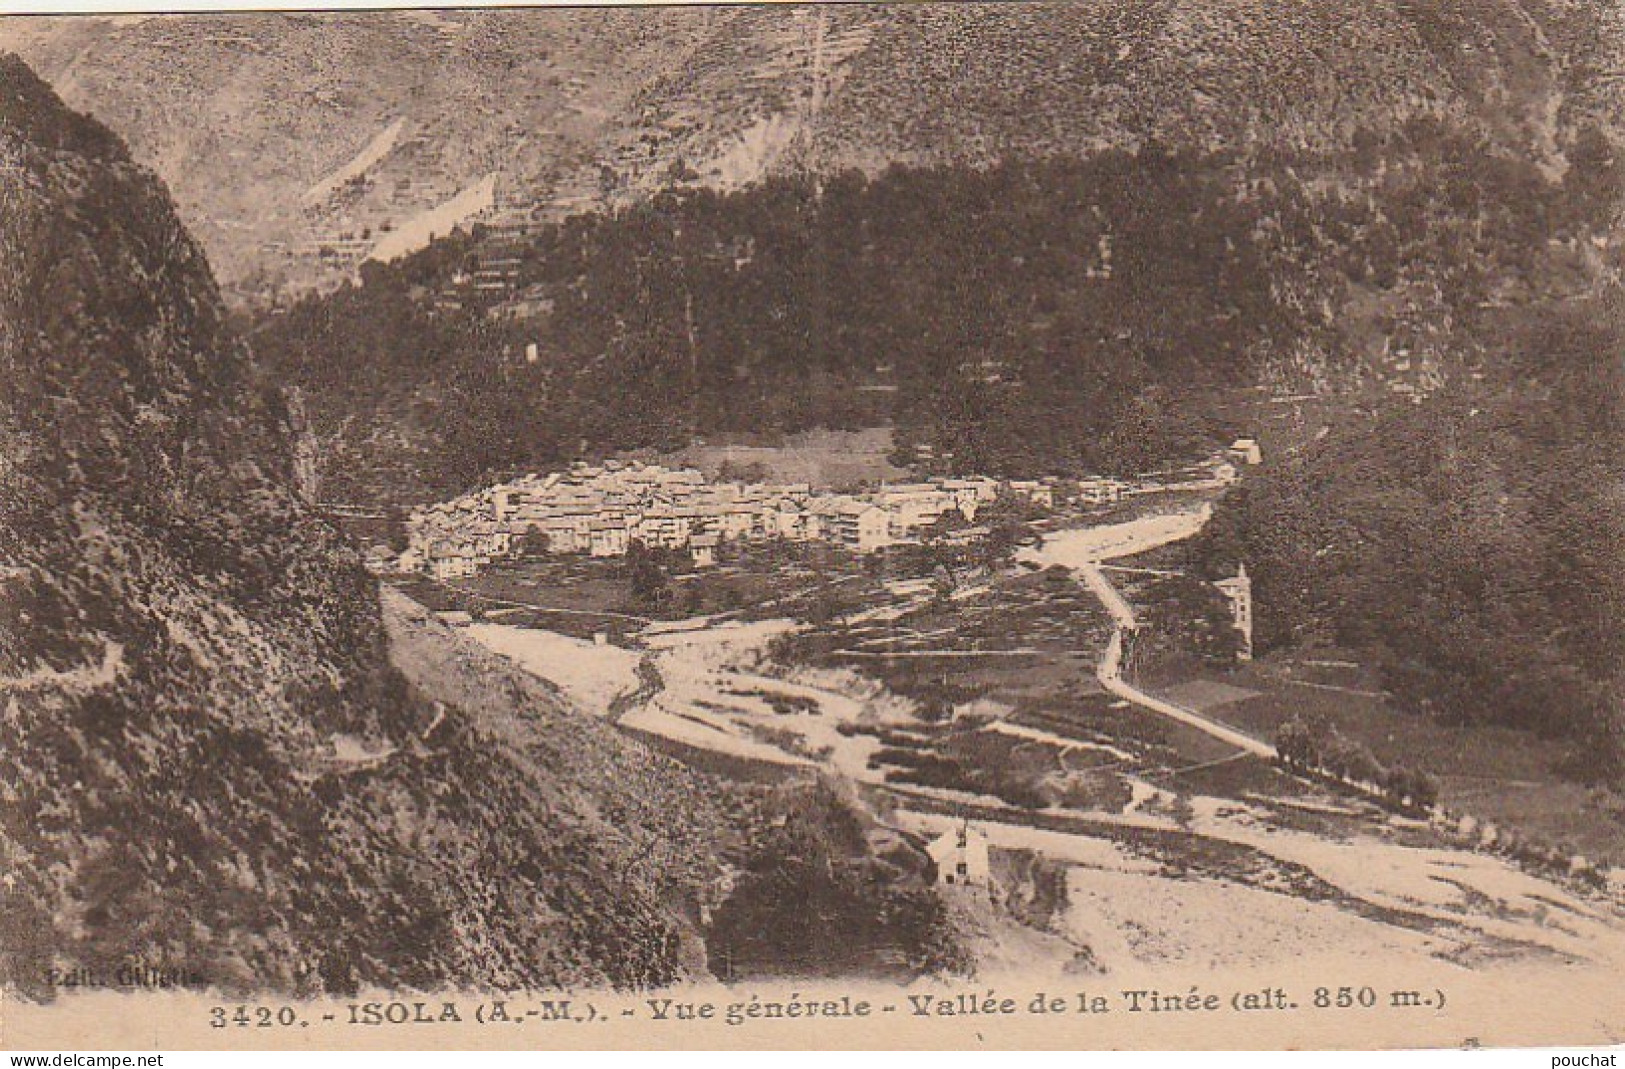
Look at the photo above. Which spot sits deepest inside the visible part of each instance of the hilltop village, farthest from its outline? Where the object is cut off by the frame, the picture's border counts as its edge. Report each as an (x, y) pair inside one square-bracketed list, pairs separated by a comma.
[(602, 510)]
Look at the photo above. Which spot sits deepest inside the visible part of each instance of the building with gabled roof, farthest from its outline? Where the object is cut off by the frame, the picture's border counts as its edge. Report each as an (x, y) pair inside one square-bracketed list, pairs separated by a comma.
[(1245, 451), (961, 857), (608, 536)]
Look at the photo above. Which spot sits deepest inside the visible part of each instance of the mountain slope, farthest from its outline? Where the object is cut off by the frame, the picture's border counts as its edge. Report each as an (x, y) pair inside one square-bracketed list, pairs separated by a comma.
[(207, 762), (251, 116)]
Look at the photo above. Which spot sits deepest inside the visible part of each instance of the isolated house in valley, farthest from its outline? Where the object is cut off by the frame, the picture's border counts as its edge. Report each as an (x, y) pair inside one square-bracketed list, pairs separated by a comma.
[(960, 855)]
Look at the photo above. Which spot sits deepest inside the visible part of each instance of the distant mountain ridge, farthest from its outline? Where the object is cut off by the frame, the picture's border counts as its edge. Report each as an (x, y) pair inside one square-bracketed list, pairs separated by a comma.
[(246, 115)]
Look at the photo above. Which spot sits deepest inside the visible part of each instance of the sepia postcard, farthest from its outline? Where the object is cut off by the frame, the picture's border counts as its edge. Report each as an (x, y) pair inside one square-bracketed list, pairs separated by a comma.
[(1085, 525)]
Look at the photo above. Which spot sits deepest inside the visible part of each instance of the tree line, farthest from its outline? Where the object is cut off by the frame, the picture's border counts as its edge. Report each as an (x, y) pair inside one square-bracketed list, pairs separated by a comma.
[(1039, 315)]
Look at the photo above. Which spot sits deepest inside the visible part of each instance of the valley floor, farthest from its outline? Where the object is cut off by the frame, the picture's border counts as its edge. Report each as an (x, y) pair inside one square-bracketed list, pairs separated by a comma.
[(1179, 842)]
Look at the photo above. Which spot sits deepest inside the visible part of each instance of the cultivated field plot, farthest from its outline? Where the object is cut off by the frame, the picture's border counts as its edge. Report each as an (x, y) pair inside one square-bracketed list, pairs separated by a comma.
[(1000, 722)]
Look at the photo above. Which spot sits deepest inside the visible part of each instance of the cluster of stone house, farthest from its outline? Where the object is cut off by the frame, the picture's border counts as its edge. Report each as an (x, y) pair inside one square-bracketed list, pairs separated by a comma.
[(602, 509)]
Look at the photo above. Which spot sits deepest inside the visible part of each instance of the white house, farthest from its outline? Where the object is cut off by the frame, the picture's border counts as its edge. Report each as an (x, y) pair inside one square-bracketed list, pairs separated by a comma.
[(1040, 494), (960, 855), (609, 537), (664, 525), (739, 519), (977, 490), (790, 520), (1240, 592), (703, 547), (912, 511), (451, 560)]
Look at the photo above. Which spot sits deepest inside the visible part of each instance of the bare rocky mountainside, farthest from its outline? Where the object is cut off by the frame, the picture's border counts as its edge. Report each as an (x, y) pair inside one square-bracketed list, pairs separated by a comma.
[(299, 145), (214, 756)]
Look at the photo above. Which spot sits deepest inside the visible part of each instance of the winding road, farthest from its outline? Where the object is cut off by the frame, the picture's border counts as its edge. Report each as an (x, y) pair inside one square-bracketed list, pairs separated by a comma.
[(1083, 551)]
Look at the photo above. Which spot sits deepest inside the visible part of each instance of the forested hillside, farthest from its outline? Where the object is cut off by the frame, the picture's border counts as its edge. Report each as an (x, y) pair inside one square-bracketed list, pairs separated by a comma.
[(1064, 314)]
